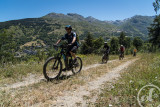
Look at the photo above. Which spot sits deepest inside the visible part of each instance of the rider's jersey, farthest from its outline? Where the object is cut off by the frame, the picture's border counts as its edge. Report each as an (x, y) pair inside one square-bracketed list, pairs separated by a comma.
[(122, 49), (135, 50), (69, 38), (107, 48)]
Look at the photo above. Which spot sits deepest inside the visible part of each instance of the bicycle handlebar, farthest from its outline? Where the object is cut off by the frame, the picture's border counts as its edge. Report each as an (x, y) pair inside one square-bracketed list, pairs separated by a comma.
[(60, 46)]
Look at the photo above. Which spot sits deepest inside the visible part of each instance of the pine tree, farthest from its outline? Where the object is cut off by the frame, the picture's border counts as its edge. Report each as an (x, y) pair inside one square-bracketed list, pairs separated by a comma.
[(127, 42), (154, 32), (137, 42), (114, 45), (156, 5), (87, 46), (98, 43), (7, 46), (122, 38)]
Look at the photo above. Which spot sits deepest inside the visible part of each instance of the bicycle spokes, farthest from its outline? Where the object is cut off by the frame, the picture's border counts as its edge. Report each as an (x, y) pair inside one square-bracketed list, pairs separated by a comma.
[(77, 66), (52, 68)]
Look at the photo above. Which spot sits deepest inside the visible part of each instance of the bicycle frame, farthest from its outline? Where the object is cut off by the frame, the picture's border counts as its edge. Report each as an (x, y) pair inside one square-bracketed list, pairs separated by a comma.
[(59, 56)]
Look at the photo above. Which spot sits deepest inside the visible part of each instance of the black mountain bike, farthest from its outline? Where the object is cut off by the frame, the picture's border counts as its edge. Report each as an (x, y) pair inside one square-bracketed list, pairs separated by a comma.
[(52, 68), (134, 54), (105, 58)]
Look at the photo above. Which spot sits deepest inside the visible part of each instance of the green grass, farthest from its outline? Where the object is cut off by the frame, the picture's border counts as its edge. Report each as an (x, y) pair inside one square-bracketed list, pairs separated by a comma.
[(124, 92), (19, 71), (92, 59)]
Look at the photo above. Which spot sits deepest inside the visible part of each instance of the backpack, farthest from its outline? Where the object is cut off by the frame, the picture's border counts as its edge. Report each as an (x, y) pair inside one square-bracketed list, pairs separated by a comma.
[(77, 38), (122, 49)]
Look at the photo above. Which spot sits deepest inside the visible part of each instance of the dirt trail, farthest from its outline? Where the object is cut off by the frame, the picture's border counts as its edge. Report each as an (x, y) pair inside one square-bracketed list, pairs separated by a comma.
[(33, 79), (72, 98)]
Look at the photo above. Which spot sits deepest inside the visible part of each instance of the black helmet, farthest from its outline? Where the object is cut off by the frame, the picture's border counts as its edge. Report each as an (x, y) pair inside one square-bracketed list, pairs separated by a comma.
[(68, 26)]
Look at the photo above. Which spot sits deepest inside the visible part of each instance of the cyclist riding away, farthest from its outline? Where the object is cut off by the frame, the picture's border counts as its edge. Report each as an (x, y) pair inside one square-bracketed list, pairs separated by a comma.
[(107, 48), (122, 49), (105, 57), (134, 52), (70, 36)]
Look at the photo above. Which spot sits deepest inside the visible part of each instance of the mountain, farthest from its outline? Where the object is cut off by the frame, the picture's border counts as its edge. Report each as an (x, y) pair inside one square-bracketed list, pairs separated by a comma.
[(135, 26), (50, 27)]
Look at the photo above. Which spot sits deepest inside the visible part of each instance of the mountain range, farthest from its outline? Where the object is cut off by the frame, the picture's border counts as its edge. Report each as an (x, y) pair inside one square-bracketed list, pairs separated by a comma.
[(50, 27)]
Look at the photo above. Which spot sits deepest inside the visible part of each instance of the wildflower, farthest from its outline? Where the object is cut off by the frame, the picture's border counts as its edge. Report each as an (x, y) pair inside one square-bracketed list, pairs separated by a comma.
[(131, 81), (110, 105)]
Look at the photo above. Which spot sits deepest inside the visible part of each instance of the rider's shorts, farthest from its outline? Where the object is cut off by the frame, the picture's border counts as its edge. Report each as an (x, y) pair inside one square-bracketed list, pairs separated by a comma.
[(73, 49), (122, 52)]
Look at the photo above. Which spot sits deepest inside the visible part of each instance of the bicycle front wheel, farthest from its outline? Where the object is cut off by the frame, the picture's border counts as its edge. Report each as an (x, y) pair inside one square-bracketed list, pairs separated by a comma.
[(52, 68), (77, 66)]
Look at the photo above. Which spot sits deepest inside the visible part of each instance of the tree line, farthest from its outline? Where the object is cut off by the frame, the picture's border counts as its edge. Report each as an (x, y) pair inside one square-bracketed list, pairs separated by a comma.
[(95, 45)]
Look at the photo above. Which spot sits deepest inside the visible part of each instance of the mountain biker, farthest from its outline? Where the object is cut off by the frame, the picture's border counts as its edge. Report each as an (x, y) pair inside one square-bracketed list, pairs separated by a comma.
[(134, 52), (70, 36), (106, 47), (122, 49)]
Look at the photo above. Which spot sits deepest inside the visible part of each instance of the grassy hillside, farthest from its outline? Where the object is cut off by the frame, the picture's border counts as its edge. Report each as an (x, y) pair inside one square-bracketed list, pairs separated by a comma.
[(124, 92)]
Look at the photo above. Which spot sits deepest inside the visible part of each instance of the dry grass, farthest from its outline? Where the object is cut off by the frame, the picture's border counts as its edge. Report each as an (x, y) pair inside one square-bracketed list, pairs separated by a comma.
[(45, 92), (33, 42), (12, 73)]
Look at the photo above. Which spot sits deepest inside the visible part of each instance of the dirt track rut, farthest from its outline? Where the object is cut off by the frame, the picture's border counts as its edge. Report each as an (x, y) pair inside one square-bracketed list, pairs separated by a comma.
[(72, 98)]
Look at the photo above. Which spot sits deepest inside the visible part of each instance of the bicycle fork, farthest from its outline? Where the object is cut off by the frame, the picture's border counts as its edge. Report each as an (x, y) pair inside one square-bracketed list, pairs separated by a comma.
[(54, 65), (65, 61)]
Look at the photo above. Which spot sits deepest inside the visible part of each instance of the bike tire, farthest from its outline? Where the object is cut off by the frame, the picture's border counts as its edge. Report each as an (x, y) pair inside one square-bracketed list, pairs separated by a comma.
[(47, 64), (80, 66), (120, 57), (104, 59), (107, 58)]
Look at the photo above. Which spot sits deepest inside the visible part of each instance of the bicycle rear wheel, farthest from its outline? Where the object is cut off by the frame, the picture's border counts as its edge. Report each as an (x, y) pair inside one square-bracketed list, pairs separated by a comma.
[(77, 67), (120, 57), (105, 58), (52, 68)]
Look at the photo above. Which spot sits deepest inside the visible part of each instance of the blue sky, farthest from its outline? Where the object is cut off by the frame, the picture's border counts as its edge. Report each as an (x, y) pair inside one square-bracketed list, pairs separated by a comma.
[(100, 9)]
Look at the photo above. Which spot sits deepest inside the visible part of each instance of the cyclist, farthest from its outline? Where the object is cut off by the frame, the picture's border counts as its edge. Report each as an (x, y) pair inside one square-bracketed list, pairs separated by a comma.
[(122, 49), (70, 36), (107, 48), (134, 52)]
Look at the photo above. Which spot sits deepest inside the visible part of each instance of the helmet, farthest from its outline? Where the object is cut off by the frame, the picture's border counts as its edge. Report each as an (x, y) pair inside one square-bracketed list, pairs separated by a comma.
[(121, 45), (105, 42), (68, 26)]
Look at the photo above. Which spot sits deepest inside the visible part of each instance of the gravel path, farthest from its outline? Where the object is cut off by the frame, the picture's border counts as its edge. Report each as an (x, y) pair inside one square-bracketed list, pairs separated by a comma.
[(76, 98), (33, 79)]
